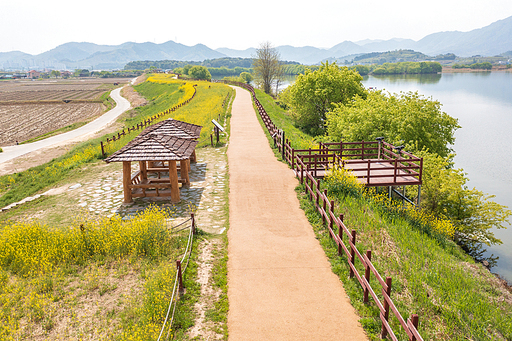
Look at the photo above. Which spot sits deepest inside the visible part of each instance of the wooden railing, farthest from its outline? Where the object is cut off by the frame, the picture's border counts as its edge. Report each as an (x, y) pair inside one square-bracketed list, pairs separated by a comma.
[(337, 229)]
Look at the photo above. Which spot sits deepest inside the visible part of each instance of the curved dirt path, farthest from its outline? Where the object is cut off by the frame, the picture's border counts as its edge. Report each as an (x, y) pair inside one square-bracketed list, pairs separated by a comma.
[(79, 134), (281, 286)]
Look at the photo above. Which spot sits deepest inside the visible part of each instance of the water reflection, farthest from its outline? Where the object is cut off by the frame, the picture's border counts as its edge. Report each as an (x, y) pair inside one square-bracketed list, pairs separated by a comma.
[(417, 79)]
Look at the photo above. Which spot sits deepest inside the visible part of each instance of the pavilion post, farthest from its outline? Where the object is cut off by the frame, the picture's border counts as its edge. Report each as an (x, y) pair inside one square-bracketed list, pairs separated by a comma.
[(193, 157), (127, 181), (173, 178), (143, 170), (184, 172)]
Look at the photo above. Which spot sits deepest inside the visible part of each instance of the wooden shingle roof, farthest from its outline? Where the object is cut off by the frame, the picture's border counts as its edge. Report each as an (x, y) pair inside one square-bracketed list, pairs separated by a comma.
[(155, 147), (175, 128)]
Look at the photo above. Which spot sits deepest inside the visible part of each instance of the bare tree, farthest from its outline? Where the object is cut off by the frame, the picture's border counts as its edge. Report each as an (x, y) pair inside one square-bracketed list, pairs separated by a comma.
[(267, 67)]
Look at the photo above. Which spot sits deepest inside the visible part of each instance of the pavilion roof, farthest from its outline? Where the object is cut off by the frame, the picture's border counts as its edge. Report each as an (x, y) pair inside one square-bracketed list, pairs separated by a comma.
[(155, 147), (175, 128)]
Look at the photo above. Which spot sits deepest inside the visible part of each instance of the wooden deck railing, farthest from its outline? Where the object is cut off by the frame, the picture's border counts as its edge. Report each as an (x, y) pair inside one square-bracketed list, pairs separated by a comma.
[(337, 229)]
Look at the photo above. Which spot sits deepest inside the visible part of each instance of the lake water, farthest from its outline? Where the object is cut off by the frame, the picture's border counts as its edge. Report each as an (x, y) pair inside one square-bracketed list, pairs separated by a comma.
[(482, 102)]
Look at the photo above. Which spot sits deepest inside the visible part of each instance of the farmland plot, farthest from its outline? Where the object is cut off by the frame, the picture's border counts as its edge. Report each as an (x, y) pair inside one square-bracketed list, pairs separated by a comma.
[(21, 122), (32, 108)]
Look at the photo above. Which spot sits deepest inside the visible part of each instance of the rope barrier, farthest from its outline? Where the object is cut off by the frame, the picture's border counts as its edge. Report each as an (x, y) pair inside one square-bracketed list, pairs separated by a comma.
[(173, 301)]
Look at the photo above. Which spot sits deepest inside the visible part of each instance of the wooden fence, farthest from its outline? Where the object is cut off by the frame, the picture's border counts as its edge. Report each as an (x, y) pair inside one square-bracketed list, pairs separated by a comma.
[(142, 125), (337, 229)]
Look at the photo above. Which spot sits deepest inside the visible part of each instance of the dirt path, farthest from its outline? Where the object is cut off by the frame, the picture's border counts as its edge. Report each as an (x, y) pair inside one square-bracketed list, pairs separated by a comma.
[(281, 286)]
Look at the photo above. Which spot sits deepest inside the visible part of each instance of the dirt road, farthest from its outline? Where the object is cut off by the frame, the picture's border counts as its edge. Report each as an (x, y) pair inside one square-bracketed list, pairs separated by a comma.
[(281, 286)]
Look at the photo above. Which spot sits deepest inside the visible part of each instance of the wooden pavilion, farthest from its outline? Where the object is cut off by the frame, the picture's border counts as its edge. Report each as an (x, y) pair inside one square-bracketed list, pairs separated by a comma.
[(159, 153), (175, 128)]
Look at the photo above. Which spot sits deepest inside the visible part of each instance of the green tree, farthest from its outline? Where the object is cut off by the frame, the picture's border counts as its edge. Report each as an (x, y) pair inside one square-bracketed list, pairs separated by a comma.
[(267, 67), (316, 92), (407, 118), (445, 193), (247, 77), (55, 73), (199, 72), (187, 68)]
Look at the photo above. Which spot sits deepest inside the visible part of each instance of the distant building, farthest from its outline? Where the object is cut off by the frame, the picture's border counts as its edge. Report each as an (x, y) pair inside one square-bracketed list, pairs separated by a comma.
[(33, 74)]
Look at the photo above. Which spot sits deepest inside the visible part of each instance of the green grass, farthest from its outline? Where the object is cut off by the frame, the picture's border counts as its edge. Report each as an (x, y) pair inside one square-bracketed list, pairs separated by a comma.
[(298, 139), (455, 298)]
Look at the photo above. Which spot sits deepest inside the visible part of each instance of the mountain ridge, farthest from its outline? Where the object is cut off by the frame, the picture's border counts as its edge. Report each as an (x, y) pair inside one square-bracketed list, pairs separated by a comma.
[(493, 39)]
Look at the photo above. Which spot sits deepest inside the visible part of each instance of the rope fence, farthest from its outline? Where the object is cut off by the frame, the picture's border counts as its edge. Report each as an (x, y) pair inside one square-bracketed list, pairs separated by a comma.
[(179, 288)]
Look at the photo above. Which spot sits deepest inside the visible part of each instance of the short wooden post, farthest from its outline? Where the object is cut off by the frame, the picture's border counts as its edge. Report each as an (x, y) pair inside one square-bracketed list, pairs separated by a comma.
[(387, 292), (340, 234), (415, 319), (352, 252), (211, 139), (127, 181), (173, 178), (331, 220), (184, 172), (367, 275), (180, 276), (317, 193), (368, 174), (325, 206), (192, 216), (102, 149)]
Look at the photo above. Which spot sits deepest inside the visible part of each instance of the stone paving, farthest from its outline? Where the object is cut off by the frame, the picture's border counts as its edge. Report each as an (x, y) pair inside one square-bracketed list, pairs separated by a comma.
[(206, 194)]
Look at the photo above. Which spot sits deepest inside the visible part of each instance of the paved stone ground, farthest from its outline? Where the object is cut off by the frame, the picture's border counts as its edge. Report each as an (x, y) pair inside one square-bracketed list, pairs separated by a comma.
[(206, 194)]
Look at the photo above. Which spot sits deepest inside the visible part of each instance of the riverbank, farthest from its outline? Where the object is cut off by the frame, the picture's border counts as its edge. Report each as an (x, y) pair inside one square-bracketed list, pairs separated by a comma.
[(500, 68)]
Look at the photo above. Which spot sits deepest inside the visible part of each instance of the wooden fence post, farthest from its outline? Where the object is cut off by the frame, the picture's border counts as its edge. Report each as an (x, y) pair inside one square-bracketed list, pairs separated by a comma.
[(102, 149), (317, 193), (340, 234), (352, 252), (384, 331), (180, 276), (331, 221), (325, 206), (415, 319), (367, 275), (193, 223)]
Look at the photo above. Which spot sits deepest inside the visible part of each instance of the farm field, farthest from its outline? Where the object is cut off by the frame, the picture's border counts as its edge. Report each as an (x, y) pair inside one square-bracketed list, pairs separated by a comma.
[(32, 108)]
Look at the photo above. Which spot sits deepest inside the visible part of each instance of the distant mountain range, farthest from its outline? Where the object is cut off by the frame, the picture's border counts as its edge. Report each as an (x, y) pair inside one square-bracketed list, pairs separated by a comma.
[(491, 40)]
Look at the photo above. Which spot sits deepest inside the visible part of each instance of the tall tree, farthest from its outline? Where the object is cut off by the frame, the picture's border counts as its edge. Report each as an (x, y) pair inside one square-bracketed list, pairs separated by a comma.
[(267, 66), (315, 93)]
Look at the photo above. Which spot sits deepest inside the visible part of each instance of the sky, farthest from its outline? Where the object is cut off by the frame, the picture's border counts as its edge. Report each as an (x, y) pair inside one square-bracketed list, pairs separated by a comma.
[(38, 26)]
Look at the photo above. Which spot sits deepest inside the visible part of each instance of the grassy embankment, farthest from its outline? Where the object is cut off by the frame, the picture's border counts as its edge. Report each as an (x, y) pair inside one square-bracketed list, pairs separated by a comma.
[(456, 298), (107, 278)]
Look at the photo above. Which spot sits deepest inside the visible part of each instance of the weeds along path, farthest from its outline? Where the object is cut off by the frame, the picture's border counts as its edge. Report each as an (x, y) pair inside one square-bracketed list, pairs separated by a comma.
[(281, 286)]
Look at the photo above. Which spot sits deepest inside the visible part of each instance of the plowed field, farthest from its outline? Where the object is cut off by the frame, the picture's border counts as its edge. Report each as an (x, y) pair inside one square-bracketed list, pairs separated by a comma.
[(32, 108)]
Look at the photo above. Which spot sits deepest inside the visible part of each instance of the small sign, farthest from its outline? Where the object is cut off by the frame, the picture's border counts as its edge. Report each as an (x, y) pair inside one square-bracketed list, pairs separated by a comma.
[(216, 124)]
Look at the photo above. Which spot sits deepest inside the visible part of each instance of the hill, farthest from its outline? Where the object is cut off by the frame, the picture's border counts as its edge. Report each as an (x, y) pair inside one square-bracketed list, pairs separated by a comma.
[(491, 40)]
